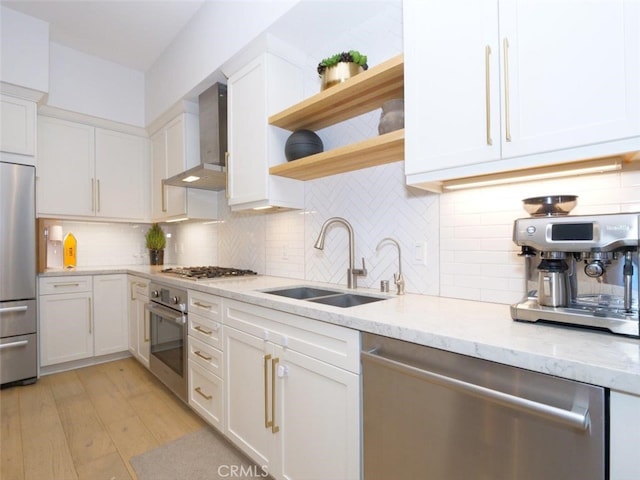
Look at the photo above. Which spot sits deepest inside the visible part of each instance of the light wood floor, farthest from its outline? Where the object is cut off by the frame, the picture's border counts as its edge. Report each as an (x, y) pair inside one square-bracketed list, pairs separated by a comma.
[(88, 423)]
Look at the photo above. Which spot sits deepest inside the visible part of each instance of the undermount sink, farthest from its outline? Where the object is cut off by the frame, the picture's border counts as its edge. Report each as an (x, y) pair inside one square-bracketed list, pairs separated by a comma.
[(345, 300), (327, 297), (303, 293)]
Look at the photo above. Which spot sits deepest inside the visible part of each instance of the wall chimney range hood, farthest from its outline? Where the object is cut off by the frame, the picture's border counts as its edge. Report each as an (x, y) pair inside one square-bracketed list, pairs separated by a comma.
[(211, 173)]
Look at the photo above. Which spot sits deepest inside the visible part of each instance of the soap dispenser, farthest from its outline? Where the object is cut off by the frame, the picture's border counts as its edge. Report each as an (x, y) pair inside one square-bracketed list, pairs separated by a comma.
[(70, 251)]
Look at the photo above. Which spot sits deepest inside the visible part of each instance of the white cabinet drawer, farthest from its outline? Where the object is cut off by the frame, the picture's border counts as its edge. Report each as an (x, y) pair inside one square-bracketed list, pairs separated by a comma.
[(205, 330), (206, 395), (139, 287), (333, 344), (64, 284), (205, 305), (206, 356)]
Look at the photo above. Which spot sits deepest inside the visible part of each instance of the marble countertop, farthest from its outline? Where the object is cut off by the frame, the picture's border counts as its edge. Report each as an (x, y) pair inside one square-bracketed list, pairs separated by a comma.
[(478, 329)]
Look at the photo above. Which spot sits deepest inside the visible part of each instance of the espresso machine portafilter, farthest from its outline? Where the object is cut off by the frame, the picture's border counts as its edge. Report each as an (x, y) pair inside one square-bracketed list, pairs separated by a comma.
[(580, 271)]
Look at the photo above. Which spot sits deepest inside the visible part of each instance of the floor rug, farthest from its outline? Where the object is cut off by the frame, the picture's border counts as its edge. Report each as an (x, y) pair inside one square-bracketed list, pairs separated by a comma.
[(201, 455)]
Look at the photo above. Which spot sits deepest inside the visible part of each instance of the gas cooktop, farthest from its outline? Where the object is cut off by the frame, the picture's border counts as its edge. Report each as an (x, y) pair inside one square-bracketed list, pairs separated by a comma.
[(197, 273)]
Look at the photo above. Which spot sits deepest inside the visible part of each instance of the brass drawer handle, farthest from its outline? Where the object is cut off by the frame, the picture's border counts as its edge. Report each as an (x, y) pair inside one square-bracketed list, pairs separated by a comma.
[(57, 285), (206, 397), (202, 305), (202, 330), (274, 366), (267, 422), (204, 357)]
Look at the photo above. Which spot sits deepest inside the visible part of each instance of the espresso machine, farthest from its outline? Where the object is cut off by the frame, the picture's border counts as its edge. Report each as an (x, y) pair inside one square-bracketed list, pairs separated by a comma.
[(580, 271)]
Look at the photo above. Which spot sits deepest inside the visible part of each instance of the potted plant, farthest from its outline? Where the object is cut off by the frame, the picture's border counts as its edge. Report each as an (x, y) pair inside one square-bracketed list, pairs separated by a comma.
[(156, 241), (340, 67)]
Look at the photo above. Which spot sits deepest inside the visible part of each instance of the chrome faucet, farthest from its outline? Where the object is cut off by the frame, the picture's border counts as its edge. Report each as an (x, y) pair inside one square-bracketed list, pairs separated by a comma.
[(352, 272), (398, 279)]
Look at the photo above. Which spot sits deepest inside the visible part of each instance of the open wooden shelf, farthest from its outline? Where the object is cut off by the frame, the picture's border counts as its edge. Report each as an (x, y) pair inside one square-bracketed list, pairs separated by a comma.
[(363, 93), (360, 94), (375, 151)]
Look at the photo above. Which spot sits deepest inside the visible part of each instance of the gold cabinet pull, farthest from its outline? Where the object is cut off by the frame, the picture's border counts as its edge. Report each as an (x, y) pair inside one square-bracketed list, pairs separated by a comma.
[(274, 366), (202, 330), (93, 194), (146, 326), (202, 305), (98, 195), (226, 178), (487, 81), (164, 196), (90, 318), (204, 357), (267, 422), (507, 107), (58, 285), (206, 397)]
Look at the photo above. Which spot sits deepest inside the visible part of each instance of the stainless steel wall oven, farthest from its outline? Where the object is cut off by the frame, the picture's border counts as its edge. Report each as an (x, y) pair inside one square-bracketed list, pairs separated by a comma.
[(168, 325)]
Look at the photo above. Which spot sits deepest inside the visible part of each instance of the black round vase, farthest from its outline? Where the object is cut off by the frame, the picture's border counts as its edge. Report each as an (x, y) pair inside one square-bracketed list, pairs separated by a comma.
[(302, 143)]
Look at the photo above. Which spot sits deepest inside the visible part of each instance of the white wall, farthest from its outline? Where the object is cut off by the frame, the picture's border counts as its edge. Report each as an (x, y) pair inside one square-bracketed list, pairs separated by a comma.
[(24, 50), (107, 244), (86, 84), (215, 33)]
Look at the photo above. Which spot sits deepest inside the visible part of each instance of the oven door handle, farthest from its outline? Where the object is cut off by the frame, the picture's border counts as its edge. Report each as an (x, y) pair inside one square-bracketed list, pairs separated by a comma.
[(166, 313)]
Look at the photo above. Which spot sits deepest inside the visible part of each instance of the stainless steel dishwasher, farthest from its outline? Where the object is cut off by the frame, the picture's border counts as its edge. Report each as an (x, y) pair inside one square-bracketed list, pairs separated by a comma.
[(432, 414)]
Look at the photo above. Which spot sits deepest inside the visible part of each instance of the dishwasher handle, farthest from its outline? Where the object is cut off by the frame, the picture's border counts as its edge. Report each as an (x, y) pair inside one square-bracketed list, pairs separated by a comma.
[(576, 418)]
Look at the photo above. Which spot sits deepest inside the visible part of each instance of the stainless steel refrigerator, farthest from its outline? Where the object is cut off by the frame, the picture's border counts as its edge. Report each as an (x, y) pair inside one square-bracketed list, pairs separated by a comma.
[(18, 318)]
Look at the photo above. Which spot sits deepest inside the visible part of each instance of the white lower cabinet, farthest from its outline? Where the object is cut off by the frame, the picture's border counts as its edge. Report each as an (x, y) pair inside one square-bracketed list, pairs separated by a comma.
[(82, 317), (292, 393), (624, 425), (206, 358), (139, 335), (66, 319), (110, 314), (206, 389)]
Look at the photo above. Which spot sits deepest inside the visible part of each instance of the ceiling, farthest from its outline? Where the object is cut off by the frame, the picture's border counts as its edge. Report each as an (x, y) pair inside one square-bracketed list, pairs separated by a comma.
[(132, 33)]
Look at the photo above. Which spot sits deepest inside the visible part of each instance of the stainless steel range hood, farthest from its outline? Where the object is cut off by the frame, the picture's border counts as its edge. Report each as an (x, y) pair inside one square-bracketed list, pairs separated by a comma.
[(211, 174)]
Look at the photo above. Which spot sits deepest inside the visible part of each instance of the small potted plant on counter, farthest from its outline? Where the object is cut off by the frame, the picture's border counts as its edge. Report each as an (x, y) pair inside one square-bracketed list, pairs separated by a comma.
[(156, 241), (341, 66)]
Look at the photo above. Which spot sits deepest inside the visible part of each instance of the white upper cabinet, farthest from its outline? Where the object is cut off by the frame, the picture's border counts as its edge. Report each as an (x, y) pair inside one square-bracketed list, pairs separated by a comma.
[(65, 168), (17, 126), (121, 172), (452, 105), (264, 86), (175, 148), (170, 150), (85, 171), (489, 84), (571, 73)]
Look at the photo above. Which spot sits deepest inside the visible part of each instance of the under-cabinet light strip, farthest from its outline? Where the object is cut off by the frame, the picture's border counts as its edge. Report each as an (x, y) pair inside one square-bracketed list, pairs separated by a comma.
[(583, 168)]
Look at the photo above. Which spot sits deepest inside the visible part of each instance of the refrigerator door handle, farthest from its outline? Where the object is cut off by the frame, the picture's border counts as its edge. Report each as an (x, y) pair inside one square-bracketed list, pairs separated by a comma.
[(21, 343), (22, 308)]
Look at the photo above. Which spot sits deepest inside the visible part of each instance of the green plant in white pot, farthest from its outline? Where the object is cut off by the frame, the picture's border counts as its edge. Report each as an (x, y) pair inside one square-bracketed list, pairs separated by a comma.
[(156, 241), (340, 67)]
